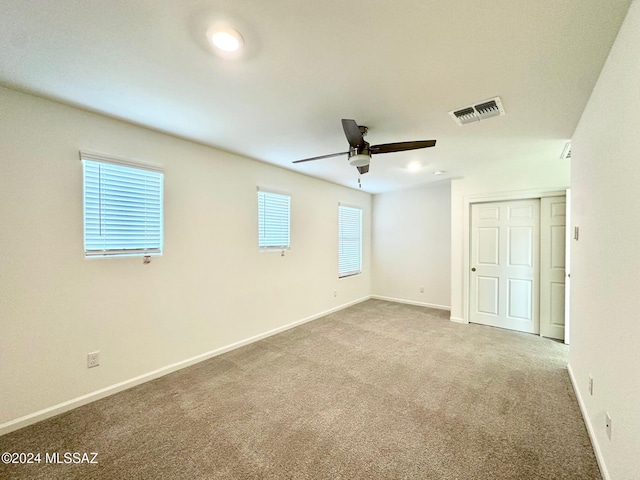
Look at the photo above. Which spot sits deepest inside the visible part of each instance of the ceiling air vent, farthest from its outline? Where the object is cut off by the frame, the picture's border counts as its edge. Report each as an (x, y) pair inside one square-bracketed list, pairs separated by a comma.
[(566, 153), (481, 111)]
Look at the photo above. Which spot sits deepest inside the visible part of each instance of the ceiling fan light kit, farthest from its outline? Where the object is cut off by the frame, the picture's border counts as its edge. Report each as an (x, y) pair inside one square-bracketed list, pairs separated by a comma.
[(359, 159), (360, 151)]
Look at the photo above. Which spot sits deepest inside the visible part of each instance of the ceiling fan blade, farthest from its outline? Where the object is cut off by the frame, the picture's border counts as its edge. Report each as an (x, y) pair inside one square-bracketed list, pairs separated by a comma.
[(321, 157), (401, 146), (364, 169), (352, 132)]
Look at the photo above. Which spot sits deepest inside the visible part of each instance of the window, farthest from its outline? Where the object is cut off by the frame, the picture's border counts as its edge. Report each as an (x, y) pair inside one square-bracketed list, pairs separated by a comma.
[(349, 241), (122, 208), (273, 220)]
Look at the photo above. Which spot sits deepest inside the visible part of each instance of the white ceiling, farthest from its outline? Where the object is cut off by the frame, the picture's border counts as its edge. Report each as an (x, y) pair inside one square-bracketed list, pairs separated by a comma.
[(396, 67)]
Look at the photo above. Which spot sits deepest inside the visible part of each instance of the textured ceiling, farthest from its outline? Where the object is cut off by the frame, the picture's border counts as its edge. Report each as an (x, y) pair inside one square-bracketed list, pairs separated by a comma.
[(396, 67)]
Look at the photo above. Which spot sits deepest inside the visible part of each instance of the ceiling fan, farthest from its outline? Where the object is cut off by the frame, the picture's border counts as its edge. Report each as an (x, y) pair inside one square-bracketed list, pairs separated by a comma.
[(360, 151)]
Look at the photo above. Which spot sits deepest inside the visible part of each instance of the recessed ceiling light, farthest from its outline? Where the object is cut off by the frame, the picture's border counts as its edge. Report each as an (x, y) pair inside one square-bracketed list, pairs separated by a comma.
[(414, 167), (439, 172), (225, 39)]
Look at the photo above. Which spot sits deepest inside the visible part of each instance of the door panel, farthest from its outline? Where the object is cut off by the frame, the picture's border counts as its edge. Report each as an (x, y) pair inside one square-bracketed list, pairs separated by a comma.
[(520, 293), (557, 304), (487, 295), (557, 246), (488, 248), (520, 246), (552, 263), (489, 213), (505, 260), (521, 211)]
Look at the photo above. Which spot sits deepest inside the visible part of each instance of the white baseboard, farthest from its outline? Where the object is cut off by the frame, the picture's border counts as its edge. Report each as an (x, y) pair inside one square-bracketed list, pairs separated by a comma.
[(54, 410), (458, 320), (411, 302), (590, 430)]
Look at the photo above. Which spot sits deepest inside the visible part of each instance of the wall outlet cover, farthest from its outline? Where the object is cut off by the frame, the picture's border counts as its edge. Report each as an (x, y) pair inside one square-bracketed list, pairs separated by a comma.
[(93, 359)]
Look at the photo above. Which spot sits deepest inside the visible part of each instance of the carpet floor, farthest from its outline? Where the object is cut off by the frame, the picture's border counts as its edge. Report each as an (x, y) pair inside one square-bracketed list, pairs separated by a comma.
[(379, 390)]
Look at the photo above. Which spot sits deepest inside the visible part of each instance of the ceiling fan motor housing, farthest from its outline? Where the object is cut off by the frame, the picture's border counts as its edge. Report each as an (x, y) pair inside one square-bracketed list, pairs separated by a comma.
[(359, 157)]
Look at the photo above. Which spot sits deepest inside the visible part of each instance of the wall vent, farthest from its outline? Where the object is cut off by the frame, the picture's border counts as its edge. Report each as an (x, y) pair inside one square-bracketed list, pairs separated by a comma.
[(566, 152), (481, 111)]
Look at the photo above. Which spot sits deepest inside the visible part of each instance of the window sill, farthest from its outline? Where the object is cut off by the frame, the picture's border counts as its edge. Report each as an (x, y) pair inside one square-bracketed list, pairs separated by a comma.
[(349, 275)]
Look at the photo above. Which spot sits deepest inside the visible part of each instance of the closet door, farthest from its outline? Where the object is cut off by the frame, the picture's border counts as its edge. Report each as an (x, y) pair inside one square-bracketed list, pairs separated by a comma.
[(505, 271), (552, 266)]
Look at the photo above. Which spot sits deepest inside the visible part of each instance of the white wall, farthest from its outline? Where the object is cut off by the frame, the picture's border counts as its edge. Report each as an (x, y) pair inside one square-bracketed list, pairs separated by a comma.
[(605, 261), (412, 245), (522, 179), (211, 288)]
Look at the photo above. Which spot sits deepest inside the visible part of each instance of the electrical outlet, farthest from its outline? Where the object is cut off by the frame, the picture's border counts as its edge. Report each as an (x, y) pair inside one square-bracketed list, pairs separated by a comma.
[(421, 289), (335, 293), (93, 359), (590, 385), (607, 424)]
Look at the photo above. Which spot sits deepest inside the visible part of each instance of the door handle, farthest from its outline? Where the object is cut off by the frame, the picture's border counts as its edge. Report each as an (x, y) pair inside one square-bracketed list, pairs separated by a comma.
[(473, 269)]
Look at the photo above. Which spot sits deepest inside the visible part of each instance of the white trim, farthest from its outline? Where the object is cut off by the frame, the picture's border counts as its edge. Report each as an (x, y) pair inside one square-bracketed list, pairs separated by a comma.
[(125, 162), (350, 205), (567, 270), (273, 190), (411, 302), (468, 200), (589, 425), (274, 249), (458, 320), (54, 410), (516, 195)]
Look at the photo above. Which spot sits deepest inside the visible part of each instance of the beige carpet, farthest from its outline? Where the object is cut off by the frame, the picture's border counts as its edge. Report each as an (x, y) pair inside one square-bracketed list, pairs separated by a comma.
[(377, 391)]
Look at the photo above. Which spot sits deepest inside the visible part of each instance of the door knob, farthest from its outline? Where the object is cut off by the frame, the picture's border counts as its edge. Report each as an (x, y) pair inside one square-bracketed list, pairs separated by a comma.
[(473, 269)]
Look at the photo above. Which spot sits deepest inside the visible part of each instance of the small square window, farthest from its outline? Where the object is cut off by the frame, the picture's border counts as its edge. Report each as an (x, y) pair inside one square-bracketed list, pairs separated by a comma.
[(123, 211)]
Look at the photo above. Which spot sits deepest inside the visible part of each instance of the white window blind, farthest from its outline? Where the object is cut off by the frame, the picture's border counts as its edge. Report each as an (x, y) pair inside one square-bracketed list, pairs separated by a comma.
[(273, 220), (123, 212), (349, 241)]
